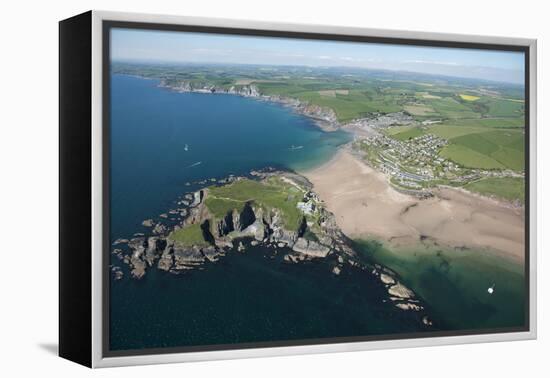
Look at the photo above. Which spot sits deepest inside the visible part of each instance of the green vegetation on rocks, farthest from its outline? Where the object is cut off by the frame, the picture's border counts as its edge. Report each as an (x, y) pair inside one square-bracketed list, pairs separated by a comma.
[(188, 236), (274, 193)]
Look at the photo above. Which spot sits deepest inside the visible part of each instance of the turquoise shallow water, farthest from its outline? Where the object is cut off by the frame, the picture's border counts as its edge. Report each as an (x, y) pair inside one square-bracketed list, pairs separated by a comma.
[(455, 283)]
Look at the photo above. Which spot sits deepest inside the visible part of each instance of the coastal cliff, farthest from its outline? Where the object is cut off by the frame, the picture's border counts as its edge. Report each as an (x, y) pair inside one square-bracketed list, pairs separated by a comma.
[(325, 117)]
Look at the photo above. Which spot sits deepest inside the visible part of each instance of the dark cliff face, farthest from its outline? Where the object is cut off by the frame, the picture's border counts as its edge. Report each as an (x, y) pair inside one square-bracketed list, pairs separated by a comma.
[(206, 233), (246, 217), (225, 225)]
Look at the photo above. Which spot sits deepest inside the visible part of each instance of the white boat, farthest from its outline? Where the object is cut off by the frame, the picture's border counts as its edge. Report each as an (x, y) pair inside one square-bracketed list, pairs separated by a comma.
[(293, 147)]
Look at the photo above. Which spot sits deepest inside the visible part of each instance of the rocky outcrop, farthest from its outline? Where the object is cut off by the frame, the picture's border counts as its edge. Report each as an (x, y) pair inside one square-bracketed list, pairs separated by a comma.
[(147, 223), (249, 90), (255, 230), (116, 273), (155, 246), (138, 267), (159, 229), (136, 262), (166, 259), (386, 279), (188, 257), (212, 253), (120, 241), (226, 224), (197, 198), (310, 248), (409, 306), (400, 291)]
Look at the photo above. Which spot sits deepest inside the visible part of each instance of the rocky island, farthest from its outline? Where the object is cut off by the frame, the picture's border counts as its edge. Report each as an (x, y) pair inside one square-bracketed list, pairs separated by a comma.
[(276, 209)]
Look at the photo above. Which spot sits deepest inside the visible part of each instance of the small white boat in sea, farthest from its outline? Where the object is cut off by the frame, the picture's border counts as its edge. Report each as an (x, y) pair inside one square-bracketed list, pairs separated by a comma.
[(491, 290), (293, 147), (186, 148), (195, 164)]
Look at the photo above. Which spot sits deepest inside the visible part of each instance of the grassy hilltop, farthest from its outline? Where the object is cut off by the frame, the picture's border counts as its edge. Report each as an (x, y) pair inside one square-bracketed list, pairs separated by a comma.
[(271, 194)]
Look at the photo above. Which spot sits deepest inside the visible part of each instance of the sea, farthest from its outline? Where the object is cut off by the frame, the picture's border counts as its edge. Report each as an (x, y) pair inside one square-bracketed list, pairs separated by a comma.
[(162, 144)]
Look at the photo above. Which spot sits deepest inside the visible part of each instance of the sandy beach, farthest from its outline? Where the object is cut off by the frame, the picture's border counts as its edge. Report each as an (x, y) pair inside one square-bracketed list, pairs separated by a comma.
[(366, 205)]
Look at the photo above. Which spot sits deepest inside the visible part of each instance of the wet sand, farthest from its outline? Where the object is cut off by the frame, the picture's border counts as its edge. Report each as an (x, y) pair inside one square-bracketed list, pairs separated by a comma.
[(365, 205)]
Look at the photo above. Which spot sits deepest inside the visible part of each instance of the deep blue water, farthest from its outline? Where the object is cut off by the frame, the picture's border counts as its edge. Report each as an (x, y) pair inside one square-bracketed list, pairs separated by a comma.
[(244, 297), (150, 127)]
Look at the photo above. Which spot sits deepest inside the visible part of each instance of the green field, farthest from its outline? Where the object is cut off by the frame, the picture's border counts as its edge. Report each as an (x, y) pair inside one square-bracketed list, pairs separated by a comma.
[(469, 158), (449, 107), (188, 236), (355, 104), (487, 149), (274, 193), (504, 108), (508, 188), (410, 133), (449, 132), (489, 122), (390, 131)]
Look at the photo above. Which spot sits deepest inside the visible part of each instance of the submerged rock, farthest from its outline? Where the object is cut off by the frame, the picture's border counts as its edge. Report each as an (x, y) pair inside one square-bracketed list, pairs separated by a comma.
[(117, 272)]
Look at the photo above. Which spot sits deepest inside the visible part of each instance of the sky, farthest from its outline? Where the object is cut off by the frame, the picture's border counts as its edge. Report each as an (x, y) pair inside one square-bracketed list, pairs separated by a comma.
[(186, 47)]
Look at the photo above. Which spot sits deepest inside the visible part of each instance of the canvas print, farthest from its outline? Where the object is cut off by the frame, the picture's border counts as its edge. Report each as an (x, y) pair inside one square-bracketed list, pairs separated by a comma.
[(269, 191)]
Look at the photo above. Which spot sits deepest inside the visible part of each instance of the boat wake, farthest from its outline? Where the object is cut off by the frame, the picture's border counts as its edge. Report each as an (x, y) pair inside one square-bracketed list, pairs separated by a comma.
[(293, 147), (194, 164)]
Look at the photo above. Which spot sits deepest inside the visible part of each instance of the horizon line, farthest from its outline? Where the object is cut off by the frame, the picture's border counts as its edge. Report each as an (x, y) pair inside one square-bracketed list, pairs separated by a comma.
[(153, 61)]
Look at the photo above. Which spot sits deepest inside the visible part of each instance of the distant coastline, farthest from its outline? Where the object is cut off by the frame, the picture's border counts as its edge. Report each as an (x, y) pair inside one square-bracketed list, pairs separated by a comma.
[(323, 117)]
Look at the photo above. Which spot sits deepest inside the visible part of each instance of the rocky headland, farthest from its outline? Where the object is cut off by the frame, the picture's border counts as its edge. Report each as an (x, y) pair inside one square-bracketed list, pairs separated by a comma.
[(270, 208), (324, 117)]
